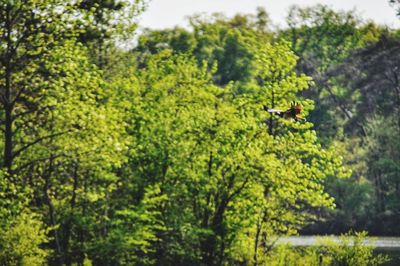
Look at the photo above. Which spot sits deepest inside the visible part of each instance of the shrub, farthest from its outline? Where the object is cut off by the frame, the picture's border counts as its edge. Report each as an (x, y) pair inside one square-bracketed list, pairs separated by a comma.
[(21, 242), (349, 250)]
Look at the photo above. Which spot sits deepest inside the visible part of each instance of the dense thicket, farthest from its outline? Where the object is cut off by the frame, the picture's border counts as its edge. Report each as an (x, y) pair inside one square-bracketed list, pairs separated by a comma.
[(163, 154)]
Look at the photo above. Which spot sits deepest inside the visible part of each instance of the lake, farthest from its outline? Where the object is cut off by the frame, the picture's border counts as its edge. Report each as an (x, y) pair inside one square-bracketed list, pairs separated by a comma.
[(384, 245)]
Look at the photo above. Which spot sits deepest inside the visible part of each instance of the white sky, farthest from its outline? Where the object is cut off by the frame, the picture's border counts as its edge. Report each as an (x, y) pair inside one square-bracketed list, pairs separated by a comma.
[(169, 13)]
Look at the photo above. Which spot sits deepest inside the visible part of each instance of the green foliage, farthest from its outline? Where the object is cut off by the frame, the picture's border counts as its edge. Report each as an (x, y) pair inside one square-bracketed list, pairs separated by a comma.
[(354, 66), (62, 134), (21, 243), (165, 155), (316, 31), (109, 19), (219, 41), (350, 249), (105, 24), (22, 233), (369, 78), (133, 233), (285, 254), (13, 198), (323, 38), (214, 157)]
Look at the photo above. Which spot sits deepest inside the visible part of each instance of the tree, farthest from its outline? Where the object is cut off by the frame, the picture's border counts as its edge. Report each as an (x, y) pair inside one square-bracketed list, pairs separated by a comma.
[(323, 38), (28, 32), (62, 134), (107, 24), (23, 235), (219, 40), (395, 3), (327, 43), (378, 87), (21, 242), (214, 157)]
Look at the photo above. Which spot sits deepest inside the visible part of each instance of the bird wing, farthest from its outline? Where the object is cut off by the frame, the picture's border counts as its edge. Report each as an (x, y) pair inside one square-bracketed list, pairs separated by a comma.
[(300, 118), (269, 110)]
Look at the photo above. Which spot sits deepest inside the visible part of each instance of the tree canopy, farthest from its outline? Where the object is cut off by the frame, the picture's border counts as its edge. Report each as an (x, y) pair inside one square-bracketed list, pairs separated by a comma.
[(163, 153)]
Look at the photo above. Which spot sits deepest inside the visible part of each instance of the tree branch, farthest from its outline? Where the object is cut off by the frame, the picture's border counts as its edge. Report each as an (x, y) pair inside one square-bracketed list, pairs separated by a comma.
[(237, 191), (20, 150), (23, 166)]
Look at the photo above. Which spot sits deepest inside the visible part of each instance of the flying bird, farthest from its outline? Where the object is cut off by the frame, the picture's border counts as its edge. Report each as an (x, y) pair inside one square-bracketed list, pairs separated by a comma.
[(293, 112)]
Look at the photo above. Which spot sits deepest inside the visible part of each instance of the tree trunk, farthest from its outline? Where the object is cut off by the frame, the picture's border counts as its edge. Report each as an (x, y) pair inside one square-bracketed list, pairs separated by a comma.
[(7, 101)]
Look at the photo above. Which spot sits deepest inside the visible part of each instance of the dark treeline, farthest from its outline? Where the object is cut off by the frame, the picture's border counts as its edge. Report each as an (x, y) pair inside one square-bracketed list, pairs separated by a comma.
[(163, 154)]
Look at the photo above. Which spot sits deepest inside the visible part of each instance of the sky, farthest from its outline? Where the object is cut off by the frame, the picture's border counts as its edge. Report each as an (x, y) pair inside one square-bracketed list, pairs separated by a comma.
[(162, 14)]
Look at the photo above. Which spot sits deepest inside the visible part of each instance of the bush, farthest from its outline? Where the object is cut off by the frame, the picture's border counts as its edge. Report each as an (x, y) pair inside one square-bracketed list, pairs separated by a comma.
[(348, 251), (20, 243)]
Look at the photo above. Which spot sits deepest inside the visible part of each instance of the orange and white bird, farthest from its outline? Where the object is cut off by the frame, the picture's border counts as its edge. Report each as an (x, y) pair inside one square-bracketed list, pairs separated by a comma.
[(293, 112)]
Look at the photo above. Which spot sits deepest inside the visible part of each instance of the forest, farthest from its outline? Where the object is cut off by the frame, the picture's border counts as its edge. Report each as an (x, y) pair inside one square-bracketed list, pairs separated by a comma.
[(153, 147)]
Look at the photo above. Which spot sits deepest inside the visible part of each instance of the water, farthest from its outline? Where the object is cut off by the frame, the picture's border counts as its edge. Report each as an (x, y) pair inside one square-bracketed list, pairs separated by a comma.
[(383, 245), (379, 242)]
